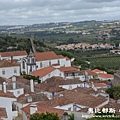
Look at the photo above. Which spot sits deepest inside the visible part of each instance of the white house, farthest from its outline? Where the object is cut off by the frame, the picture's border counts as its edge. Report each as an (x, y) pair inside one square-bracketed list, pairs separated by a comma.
[(7, 100), (41, 60), (14, 87), (27, 99), (17, 55), (9, 68), (104, 77), (47, 72)]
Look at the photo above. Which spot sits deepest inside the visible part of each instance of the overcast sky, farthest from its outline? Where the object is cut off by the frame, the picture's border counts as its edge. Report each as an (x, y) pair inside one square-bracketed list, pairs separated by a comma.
[(17, 12)]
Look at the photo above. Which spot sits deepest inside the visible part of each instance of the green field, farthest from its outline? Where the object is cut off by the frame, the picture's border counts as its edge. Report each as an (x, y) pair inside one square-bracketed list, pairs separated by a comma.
[(109, 62)]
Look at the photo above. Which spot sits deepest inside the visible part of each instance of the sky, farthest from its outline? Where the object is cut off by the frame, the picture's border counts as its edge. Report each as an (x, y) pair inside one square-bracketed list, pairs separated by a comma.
[(26, 12)]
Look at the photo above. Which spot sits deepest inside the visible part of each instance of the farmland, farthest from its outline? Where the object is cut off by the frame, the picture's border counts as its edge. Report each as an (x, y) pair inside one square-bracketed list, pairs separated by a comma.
[(108, 62)]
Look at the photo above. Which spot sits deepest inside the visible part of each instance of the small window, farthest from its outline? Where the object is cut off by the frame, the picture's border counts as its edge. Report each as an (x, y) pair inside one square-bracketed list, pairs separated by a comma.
[(18, 92), (69, 109), (3, 72), (15, 71), (49, 63), (41, 65), (33, 60)]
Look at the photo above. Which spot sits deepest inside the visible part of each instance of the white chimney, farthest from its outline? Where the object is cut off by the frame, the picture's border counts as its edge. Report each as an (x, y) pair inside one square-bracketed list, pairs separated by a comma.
[(4, 87), (33, 108), (31, 85), (14, 82)]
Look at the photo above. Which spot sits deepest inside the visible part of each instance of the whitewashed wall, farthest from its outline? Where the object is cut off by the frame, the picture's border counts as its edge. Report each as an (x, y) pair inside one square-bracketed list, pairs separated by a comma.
[(7, 103), (9, 71), (17, 92), (56, 72), (14, 57)]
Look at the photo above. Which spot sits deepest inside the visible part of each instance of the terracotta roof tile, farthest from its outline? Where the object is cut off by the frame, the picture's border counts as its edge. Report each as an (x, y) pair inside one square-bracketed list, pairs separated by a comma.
[(85, 90), (54, 82), (89, 72), (105, 75), (42, 72), (14, 53), (97, 70), (68, 97), (67, 69), (99, 84), (46, 56), (35, 97), (44, 109), (61, 56), (21, 83), (114, 105), (3, 113), (7, 94), (67, 58), (6, 63)]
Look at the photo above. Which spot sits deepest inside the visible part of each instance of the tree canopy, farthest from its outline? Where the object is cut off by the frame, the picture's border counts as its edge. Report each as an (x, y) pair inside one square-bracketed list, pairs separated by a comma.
[(43, 116)]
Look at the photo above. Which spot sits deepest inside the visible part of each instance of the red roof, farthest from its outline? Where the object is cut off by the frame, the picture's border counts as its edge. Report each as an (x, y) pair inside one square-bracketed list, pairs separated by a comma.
[(102, 75), (13, 53), (97, 70), (3, 113), (46, 56), (42, 72), (61, 56), (7, 94), (99, 84), (67, 69), (7, 63), (44, 109), (67, 58)]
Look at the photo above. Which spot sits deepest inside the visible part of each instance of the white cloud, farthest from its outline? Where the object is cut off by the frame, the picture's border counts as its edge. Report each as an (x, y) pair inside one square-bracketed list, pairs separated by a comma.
[(37, 11)]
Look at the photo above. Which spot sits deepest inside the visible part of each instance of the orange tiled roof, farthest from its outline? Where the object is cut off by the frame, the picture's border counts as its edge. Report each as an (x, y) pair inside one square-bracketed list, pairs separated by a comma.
[(35, 97), (7, 94), (6, 63), (89, 72), (44, 109), (14, 53), (68, 97), (97, 70), (67, 69), (98, 84), (61, 56), (67, 58), (42, 72), (40, 56), (105, 75)]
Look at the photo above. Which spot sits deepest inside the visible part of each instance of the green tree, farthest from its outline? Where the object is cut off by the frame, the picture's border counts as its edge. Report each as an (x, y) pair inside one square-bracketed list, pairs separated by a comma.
[(114, 92), (42, 116), (71, 117)]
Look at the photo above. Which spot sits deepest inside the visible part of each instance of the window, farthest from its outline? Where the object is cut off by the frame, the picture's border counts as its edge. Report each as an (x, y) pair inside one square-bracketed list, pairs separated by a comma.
[(49, 63), (60, 74), (69, 109), (23, 64), (18, 92), (33, 60), (3, 72), (58, 62), (41, 65), (15, 71)]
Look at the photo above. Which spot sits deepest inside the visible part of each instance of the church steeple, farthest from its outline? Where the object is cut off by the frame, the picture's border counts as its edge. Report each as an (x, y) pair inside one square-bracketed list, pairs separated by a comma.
[(31, 62)]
